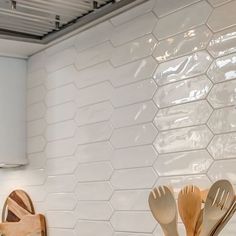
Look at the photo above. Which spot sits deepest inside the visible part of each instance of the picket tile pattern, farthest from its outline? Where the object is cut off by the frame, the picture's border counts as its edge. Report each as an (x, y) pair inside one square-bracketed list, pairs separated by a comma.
[(145, 98)]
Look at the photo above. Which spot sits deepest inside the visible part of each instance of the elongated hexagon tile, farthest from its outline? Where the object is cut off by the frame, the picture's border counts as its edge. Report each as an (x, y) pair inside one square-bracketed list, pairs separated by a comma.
[(91, 228), (139, 156), (223, 69), (130, 200), (223, 146), (223, 120), (134, 93), (36, 94), (139, 221), (94, 94), (94, 132), (58, 113), (182, 44), (133, 178), (94, 113), (36, 111), (95, 74), (182, 68), (133, 114), (36, 78), (219, 20), (93, 210), (60, 184), (177, 182), (182, 20), (61, 232), (36, 127), (133, 136), (184, 91), (133, 72), (65, 129), (93, 36), (60, 59), (94, 55), (60, 95), (223, 43), (165, 7), (196, 137), (183, 163), (94, 191), (61, 166), (64, 219), (133, 29), (60, 202), (137, 49), (223, 169), (217, 3), (223, 94), (99, 171), (61, 77), (36, 144), (194, 113), (100, 151), (60, 148)]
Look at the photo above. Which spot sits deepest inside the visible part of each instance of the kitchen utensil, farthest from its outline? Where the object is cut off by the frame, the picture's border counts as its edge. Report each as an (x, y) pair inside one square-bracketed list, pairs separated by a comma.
[(199, 223), (163, 207), (189, 204), (219, 199), (226, 219)]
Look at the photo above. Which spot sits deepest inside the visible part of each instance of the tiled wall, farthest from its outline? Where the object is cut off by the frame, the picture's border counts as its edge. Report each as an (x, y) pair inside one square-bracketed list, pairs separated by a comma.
[(146, 98)]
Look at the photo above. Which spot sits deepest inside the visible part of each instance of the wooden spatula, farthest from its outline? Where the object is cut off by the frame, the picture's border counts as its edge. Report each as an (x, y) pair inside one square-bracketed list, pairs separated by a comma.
[(189, 204), (163, 207), (219, 200)]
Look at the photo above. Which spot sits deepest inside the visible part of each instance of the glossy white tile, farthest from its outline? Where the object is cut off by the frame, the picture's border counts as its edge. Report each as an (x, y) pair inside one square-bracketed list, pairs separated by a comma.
[(36, 94), (223, 120), (165, 7), (36, 78), (223, 69), (223, 43), (194, 113), (94, 94), (216, 3), (183, 163), (134, 50), (140, 156), (184, 91), (133, 136), (223, 146), (184, 139), (36, 111), (182, 68), (223, 94), (179, 45), (133, 29), (133, 72), (94, 113), (36, 127), (134, 93), (133, 178), (219, 20), (100, 151), (133, 114), (182, 20), (93, 133)]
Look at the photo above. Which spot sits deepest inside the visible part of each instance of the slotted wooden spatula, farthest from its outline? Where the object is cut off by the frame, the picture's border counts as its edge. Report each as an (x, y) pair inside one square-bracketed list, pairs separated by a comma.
[(163, 207), (219, 200), (189, 204)]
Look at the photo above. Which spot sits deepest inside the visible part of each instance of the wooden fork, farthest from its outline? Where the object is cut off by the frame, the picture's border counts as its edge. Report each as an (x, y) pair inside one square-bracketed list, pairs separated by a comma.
[(163, 207)]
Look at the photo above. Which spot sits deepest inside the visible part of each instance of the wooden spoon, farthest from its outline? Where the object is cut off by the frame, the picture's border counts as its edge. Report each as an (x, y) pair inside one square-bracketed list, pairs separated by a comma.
[(163, 207), (219, 200), (226, 219), (189, 203)]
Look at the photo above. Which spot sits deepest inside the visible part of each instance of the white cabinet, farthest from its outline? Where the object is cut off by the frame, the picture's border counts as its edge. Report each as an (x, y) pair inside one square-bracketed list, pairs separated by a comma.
[(12, 112)]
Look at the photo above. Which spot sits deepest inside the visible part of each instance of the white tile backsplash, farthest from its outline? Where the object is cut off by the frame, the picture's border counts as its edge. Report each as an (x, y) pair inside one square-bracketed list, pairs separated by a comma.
[(142, 99)]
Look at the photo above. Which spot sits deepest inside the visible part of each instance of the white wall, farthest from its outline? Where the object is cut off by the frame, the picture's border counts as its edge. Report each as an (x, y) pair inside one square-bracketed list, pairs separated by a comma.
[(12, 111), (126, 106)]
